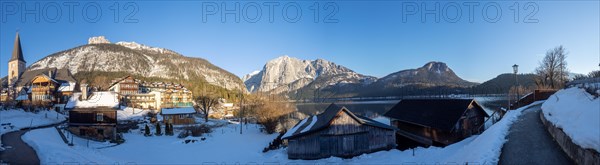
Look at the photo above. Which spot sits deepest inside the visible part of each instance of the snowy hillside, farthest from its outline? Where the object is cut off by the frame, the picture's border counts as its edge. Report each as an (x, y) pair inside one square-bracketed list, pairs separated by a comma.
[(138, 59), (287, 74)]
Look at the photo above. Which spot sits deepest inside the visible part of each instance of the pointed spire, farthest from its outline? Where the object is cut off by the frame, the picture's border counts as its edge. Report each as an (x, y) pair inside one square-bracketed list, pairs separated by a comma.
[(17, 53)]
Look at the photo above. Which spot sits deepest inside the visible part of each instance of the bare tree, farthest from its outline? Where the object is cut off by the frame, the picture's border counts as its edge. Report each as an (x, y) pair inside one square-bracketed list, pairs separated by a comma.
[(552, 72), (269, 111), (205, 101)]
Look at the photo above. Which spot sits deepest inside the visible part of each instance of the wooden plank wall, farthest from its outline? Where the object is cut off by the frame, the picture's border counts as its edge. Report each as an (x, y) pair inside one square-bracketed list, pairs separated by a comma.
[(345, 137)]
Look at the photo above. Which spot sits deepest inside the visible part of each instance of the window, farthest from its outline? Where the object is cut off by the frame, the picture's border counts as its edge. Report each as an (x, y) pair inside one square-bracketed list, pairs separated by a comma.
[(99, 117), (183, 116), (101, 132)]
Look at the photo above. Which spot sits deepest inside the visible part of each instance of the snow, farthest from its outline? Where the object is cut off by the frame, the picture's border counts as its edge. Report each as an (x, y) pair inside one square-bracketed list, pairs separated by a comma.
[(67, 87), (97, 99), (180, 110), (52, 150), (225, 145), (312, 123), (129, 113), (294, 129), (22, 97), (19, 119), (577, 113)]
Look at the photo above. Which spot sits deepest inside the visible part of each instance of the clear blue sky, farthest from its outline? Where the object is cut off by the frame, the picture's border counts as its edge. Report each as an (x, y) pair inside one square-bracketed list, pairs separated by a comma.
[(369, 37)]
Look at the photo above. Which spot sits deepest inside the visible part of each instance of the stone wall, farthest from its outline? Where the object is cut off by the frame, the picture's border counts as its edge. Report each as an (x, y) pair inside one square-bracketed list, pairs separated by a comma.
[(577, 153)]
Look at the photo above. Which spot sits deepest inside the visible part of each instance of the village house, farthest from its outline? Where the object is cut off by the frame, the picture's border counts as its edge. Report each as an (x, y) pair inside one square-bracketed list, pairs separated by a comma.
[(93, 115), (50, 86), (337, 132), (435, 122), (181, 115)]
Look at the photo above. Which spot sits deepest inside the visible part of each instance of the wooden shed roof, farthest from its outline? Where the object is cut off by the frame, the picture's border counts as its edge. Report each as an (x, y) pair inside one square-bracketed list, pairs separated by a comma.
[(435, 113), (323, 120)]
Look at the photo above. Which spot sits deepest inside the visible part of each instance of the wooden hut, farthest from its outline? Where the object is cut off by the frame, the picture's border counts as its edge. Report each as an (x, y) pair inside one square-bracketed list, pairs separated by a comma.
[(98, 123), (437, 122), (182, 115), (337, 132)]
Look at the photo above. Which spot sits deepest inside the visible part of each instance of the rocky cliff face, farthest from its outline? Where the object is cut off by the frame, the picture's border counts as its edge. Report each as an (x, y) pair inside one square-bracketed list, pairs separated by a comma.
[(140, 60), (288, 74)]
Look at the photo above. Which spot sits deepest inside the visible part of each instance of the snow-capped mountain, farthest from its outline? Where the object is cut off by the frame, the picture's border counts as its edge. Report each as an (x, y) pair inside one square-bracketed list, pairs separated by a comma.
[(288, 74), (140, 60), (431, 74)]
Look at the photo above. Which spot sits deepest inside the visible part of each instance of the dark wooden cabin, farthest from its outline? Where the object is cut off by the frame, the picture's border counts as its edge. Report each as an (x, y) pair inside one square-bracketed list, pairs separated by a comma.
[(437, 122), (337, 132), (96, 123)]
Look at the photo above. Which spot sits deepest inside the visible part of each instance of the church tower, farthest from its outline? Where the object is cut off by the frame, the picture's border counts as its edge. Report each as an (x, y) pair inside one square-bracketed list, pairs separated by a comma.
[(16, 64)]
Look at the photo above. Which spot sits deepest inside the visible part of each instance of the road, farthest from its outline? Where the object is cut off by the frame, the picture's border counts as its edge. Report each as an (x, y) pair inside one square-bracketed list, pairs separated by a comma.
[(530, 143), (20, 153)]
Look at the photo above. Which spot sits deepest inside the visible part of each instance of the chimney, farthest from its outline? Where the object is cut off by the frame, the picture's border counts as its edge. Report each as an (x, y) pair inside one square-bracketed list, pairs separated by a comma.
[(50, 73), (84, 91)]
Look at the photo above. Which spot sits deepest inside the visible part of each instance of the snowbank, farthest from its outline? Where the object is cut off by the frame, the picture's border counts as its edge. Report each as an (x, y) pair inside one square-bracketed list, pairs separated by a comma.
[(578, 114), (19, 119)]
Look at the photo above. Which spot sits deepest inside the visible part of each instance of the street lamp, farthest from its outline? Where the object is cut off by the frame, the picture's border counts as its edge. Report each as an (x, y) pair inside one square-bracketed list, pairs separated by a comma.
[(516, 70)]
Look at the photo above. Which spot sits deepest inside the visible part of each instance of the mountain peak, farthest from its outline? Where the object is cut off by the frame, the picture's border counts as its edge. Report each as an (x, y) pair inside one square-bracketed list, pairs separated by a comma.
[(435, 66)]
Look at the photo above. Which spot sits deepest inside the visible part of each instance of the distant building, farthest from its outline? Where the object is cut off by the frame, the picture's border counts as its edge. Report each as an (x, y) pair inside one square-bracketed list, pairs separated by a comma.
[(156, 95), (183, 115), (435, 122), (337, 132)]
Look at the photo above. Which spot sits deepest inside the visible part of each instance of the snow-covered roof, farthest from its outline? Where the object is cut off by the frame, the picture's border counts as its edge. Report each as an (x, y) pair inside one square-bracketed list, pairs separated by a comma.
[(22, 97), (97, 99), (66, 87), (176, 111), (323, 120)]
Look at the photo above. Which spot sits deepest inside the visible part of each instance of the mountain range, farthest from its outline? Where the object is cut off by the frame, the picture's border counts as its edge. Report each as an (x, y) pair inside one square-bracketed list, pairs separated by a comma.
[(139, 60), (99, 61), (320, 78)]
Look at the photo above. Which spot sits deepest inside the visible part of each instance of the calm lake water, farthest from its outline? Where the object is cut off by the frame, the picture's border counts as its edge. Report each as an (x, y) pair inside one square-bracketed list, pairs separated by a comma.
[(373, 109)]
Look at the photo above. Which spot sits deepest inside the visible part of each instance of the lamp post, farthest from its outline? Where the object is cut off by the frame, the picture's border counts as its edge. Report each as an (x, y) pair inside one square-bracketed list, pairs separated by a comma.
[(516, 70)]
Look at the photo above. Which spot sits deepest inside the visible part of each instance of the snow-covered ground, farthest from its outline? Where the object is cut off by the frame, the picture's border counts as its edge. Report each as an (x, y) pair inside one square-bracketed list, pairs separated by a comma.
[(129, 113), (578, 114), (225, 145), (20, 119)]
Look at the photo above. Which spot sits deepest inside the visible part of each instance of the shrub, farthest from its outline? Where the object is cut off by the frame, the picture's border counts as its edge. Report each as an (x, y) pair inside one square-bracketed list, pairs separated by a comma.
[(197, 131), (147, 131), (158, 130)]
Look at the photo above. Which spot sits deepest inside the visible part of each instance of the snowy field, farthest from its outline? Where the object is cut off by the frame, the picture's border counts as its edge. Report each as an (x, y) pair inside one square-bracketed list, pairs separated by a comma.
[(16, 119), (19, 119), (225, 145), (578, 114)]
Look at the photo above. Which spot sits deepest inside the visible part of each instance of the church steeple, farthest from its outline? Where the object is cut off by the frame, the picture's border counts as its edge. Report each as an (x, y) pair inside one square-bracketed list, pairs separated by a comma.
[(16, 64), (17, 53)]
